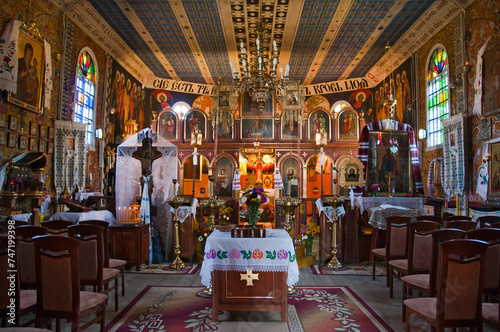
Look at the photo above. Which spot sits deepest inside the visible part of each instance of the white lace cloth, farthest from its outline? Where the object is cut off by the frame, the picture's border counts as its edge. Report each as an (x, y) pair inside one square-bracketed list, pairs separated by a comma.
[(364, 203), (328, 209), (185, 211), (84, 196), (275, 253), (19, 217), (80, 216)]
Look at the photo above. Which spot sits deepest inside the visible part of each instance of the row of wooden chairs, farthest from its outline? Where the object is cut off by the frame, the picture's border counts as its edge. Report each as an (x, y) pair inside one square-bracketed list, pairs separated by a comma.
[(416, 259), (93, 253)]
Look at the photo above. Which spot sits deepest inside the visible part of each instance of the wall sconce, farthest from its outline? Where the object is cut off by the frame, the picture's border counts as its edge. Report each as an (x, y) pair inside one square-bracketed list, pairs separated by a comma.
[(98, 133), (422, 133), (456, 82)]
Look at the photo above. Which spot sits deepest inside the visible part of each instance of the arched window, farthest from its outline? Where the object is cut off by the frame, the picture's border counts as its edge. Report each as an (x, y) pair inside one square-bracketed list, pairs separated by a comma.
[(438, 103), (181, 108), (86, 82), (338, 106)]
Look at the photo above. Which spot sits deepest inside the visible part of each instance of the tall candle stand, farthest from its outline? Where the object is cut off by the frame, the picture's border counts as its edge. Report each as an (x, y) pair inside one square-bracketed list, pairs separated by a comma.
[(175, 202), (334, 201)]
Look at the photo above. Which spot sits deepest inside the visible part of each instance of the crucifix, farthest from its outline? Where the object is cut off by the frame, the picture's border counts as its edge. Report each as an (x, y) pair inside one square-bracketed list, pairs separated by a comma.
[(389, 176)]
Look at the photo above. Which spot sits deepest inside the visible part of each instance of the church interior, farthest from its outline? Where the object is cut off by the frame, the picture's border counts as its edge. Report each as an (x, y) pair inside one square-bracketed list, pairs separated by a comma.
[(342, 147)]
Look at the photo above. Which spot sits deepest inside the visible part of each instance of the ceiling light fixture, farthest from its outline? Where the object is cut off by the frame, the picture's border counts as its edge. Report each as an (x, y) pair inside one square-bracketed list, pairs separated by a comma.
[(261, 82)]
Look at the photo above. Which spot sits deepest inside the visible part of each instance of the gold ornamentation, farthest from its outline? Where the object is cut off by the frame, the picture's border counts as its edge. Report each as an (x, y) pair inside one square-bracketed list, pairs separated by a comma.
[(249, 277)]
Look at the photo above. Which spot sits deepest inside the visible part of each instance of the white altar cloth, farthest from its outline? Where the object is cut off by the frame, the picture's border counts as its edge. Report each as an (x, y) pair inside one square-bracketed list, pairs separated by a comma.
[(89, 215), (327, 209), (364, 203), (274, 253)]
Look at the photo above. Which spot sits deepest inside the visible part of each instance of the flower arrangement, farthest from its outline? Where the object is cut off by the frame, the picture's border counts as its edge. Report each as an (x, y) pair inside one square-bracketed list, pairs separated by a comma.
[(255, 195), (253, 198), (225, 214), (201, 230), (308, 231)]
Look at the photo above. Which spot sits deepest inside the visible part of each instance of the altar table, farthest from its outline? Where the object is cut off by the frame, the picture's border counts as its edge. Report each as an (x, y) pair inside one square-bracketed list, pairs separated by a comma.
[(270, 262), (378, 215)]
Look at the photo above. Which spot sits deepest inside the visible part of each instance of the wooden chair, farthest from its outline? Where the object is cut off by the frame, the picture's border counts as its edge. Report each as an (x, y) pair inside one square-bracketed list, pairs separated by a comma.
[(492, 274), (453, 218), (426, 283), (26, 253), (92, 270), (58, 285), (395, 243), (25, 300), (59, 227), (460, 287), (486, 221), (461, 224), (113, 263), (429, 218), (419, 252)]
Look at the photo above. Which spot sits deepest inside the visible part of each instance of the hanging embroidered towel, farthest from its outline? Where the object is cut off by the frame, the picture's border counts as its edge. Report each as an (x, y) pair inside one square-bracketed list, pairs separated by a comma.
[(47, 76), (278, 181), (145, 203), (478, 84), (453, 152), (236, 180), (8, 53)]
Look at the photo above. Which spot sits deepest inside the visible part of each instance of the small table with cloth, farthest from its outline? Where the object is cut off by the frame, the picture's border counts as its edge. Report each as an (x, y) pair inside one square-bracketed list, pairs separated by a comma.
[(250, 274), (89, 215)]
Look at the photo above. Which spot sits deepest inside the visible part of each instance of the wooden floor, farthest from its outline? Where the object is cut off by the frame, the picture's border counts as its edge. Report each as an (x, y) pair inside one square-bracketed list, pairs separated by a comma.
[(374, 293)]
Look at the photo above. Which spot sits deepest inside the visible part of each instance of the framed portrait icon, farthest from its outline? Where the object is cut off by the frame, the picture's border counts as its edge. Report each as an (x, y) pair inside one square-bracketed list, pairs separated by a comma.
[(31, 64)]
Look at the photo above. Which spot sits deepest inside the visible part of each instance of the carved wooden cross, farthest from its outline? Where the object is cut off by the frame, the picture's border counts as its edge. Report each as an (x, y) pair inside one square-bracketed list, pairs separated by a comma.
[(249, 277), (389, 177)]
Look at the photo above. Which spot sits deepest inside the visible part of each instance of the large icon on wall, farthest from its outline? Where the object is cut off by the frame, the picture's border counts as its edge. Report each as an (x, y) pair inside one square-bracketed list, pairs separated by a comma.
[(167, 124), (319, 119), (347, 127), (257, 128), (491, 81), (225, 124), (195, 119), (31, 66), (253, 108)]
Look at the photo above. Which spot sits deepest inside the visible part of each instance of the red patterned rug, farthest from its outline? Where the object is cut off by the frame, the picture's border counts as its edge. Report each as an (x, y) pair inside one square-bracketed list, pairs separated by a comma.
[(353, 270), (164, 269), (166, 308)]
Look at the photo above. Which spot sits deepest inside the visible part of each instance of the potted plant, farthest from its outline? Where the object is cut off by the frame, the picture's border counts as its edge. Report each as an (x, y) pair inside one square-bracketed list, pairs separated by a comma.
[(201, 230), (308, 232)]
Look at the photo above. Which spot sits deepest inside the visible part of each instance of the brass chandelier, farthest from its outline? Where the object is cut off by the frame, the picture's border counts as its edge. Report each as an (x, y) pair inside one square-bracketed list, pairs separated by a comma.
[(260, 81)]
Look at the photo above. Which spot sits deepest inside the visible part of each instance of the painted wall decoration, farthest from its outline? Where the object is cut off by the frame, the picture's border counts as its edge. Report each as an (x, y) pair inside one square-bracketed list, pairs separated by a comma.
[(195, 119), (203, 103), (318, 101), (319, 119), (31, 65), (251, 108), (126, 102), (491, 81), (347, 127), (290, 124), (167, 124), (257, 128), (225, 124)]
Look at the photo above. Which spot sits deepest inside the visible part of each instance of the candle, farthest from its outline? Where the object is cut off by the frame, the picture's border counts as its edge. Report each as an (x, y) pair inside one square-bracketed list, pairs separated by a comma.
[(119, 213), (242, 47), (257, 42), (457, 208), (274, 45)]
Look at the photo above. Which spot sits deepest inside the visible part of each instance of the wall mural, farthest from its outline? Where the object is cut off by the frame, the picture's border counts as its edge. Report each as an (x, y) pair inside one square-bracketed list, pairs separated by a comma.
[(126, 102)]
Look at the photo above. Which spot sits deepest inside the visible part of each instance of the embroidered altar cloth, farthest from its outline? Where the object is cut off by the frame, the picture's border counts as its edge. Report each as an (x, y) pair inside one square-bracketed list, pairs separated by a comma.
[(274, 253), (328, 209), (364, 203), (378, 215)]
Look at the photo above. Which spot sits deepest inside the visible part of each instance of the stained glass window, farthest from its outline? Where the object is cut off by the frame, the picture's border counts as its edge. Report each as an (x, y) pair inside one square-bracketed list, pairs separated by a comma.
[(438, 103), (86, 81)]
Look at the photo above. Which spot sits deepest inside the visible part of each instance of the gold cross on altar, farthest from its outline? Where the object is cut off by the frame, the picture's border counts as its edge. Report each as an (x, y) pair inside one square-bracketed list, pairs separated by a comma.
[(249, 277)]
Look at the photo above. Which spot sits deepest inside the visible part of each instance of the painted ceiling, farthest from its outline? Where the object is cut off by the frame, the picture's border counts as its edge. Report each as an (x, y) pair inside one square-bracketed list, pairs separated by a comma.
[(321, 40)]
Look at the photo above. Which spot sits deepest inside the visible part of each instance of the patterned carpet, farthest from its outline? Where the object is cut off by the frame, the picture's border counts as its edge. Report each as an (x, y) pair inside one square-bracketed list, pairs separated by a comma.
[(161, 308), (164, 269), (355, 270)]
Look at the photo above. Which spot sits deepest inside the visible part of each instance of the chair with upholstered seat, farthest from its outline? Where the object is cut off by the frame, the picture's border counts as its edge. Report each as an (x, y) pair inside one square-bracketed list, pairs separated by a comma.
[(459, 288), (454, 218), (419, 252), (428, 218), (426, 283), (464, 225), (58, 285), (26, 253), (492, 274), (25, 300), (92, 270), (113, 263), (57, 227), (395, 243)]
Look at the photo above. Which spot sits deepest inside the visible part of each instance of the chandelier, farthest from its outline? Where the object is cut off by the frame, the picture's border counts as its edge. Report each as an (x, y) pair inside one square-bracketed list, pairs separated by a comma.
[(260, 81)]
